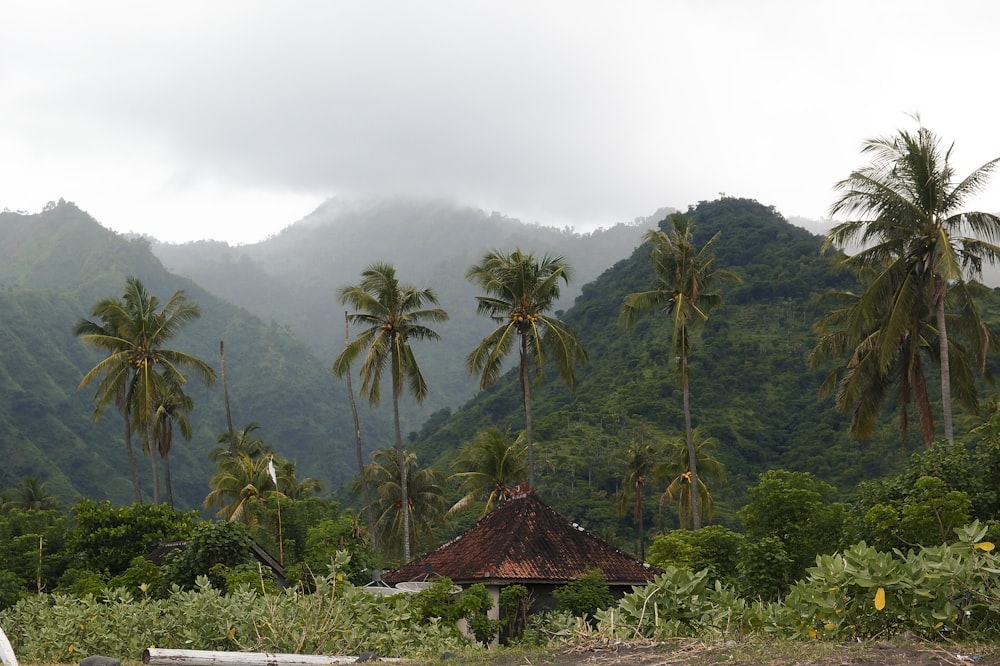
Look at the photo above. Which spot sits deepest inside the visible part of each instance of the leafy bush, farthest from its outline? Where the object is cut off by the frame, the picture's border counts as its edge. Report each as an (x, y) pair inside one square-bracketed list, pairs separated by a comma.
[(584, 596), (214, 548), (942, 591), (764, 569), (676, 603), (515, 605), (714, 548)]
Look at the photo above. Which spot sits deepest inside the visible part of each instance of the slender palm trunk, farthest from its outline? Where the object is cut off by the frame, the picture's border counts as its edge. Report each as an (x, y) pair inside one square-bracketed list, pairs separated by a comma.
[(369, 513), (404, 494), (166, 475), (941, 291), (692, 454), (153, 455), (638, 515), (131, 456), (526, 396)]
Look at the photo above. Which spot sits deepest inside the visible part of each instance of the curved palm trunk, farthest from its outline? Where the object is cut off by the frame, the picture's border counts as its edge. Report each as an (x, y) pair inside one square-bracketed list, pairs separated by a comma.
[(404, 494), (369, 513), (526, 396), (941, 291), (692, 454)]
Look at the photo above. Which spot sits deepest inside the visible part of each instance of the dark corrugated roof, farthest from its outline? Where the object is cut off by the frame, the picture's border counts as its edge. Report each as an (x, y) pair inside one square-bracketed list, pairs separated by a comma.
[(524, 541)]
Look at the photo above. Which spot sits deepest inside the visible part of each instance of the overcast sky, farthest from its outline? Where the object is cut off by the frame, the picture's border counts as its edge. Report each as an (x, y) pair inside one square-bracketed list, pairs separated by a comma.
[(233, 119)]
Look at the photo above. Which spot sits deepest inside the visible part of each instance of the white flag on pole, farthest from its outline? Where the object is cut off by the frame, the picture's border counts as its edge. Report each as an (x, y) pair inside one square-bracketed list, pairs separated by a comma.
[(270, 470)]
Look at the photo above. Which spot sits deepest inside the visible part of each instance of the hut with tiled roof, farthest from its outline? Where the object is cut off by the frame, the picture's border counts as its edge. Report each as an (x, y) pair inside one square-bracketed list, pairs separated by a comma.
[(524, 541)]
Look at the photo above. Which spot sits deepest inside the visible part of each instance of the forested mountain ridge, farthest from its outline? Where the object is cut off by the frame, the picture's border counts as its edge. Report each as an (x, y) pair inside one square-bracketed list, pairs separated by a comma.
[(751, 387), (54, 266), (293, 277)]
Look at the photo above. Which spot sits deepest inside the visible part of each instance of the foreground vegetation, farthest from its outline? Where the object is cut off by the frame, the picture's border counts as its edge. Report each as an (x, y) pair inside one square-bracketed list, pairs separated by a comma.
[(945, 593)]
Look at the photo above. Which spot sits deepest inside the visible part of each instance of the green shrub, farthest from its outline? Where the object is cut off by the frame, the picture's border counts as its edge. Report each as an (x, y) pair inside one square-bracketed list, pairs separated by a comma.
[(584, 596), (715, 548)]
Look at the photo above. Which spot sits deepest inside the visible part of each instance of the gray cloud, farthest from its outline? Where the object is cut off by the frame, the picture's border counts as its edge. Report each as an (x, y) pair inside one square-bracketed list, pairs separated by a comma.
[(579, 113)]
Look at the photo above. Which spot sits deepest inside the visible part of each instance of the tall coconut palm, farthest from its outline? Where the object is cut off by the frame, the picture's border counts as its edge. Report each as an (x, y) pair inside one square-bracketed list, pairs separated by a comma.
[(675, 468), (490, 466), (392, 315), (905, 215), (426, 499), (639, 458), (115, 378), (683, 278), (520, 290), (140, 327)]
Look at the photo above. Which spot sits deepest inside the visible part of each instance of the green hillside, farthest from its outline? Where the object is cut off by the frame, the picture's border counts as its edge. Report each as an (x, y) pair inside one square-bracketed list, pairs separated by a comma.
[(750, 384), (293, 277), (53, 267)]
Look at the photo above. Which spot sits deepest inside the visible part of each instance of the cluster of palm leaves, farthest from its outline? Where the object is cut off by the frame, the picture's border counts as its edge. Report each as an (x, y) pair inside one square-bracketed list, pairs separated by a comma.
[(918, 258), (142, 377), (248, 473)]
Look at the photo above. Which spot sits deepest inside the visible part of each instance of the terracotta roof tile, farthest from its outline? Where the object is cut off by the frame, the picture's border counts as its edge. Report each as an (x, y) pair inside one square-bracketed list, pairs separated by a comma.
[(524, 540)]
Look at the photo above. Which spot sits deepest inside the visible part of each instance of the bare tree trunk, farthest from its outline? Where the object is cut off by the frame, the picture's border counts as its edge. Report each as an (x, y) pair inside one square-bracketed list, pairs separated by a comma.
[(692, 454), (131, 456), (638, 514), (369, 513), (153, 455), (403, 490), (942, 290), (528, 422), (225, 397)]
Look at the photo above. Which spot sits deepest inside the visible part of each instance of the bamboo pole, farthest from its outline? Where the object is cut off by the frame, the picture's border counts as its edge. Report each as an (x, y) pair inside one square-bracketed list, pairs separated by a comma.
[(165, 657)]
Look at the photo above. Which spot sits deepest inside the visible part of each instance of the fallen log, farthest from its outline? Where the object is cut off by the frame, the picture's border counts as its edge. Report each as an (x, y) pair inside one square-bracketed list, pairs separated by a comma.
[(165, 657)]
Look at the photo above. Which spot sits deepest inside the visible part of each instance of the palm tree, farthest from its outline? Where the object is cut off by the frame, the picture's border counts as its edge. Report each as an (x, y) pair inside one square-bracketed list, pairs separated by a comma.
[(31, 495), (136, 356), (115, 378), (240, 483), (426, 499), (639, 456), (519, 292), (676, 469), (393, 314), (919, 246), (174, 407), (358, 450), (683, 277), (240, 441), (491, 464)]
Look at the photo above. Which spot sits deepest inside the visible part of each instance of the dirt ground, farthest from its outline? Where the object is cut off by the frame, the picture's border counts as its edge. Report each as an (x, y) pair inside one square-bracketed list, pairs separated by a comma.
[(884, 653)]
